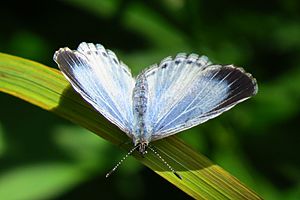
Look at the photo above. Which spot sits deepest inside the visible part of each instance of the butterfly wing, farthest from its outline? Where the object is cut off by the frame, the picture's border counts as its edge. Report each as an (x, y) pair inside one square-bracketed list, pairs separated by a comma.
[(101, 79), (188, 90)]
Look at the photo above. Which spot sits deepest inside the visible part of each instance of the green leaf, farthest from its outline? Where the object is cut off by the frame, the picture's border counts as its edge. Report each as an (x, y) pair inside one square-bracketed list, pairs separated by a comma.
[(47, 179), (48, 89)]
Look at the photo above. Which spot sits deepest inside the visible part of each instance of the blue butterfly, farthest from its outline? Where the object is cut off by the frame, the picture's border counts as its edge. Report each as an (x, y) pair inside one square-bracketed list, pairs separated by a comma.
[(162, 100)]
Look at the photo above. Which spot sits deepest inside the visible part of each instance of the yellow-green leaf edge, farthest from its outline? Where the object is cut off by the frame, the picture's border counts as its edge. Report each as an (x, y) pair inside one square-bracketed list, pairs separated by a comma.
[(47, 88)]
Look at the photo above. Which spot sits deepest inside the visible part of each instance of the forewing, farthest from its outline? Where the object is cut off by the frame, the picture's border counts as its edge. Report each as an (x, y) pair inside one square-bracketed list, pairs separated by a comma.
[(101, 79), (188, 90)]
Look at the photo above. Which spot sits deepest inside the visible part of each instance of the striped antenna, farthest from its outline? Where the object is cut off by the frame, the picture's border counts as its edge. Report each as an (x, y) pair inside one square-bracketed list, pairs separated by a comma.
[(172, 170), (120, 162)]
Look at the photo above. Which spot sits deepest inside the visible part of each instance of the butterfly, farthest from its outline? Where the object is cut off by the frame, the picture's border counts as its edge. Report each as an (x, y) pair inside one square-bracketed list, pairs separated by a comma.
[(164, 99)]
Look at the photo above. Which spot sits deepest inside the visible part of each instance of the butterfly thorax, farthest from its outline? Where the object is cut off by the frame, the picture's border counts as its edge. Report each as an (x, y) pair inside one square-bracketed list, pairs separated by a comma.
[(141, 135)]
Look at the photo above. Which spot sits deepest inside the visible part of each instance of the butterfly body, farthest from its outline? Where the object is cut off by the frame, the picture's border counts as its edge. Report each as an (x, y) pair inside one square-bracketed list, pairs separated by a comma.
[(141, 134)]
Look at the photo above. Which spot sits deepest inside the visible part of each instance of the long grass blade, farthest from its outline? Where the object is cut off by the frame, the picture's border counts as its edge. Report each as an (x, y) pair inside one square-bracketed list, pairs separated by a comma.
[(47, 88)]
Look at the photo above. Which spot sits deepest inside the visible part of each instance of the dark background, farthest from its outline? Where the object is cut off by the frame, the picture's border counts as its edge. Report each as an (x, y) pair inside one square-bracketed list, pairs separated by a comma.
[(43, 156)]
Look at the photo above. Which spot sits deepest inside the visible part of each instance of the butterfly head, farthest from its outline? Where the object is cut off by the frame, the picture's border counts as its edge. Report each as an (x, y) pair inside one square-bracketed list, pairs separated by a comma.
[(142, 147)]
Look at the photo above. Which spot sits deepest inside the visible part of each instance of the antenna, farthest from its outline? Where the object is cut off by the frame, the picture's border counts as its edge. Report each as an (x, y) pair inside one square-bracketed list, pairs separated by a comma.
[(172, 170), (120, 162)]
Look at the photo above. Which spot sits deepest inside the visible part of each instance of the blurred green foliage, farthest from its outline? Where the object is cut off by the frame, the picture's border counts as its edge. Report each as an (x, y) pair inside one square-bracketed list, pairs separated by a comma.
[(45, 157)]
